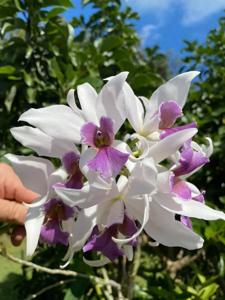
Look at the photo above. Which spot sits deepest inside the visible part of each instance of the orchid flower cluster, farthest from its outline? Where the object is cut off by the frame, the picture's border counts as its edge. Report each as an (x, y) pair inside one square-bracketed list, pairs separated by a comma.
[(124, 169)]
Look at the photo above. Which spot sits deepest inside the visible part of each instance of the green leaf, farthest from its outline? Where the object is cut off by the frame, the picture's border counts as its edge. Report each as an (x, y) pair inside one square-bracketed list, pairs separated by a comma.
[(7, 70), (110, 43), (64, 3), (27, 78), (207, 292), (7, 11), (191, 290), (18, 5), (201, 278), (10, 97), (77, 290), (55, 12), (56, 70)]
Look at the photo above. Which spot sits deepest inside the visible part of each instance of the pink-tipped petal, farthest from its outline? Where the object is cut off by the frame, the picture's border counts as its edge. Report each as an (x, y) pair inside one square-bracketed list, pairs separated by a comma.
[(182, 190), (189, 161), (186, 221), (169, 131), (87, 133), (168, 113)]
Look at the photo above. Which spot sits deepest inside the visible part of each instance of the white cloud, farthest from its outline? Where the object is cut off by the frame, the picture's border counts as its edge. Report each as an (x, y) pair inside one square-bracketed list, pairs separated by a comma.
[(197, 10), (148, 31), (192, 11)]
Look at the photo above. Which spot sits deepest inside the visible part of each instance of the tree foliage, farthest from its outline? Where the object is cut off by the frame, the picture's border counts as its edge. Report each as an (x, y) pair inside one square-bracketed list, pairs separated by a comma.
[(43, 56)]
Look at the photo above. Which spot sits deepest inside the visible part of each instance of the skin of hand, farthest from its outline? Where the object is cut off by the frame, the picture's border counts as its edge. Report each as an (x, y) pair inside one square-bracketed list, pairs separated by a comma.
[(12, 196)]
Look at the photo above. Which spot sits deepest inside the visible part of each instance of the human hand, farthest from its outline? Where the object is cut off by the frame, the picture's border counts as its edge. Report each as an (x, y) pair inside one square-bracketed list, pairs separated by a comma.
[(12, 195)]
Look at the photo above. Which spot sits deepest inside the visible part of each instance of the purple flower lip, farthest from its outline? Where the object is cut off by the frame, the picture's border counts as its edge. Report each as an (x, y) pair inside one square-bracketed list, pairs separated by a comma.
[(108, 161), (71, 164), (52, 234), (51, 231), (98, 137), (102, 241), (56, 210)]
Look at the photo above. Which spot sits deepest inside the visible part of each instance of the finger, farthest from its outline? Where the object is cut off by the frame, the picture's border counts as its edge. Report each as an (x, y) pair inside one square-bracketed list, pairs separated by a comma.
[(12, 212), (22, 194), (18, 235), (11, 187)]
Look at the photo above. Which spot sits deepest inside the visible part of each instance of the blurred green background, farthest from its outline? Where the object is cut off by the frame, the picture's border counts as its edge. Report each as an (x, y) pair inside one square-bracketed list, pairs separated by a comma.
[(40, 60)]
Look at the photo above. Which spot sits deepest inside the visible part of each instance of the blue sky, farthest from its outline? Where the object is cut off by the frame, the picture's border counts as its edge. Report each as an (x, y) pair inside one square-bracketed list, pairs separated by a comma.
[(169, 22)]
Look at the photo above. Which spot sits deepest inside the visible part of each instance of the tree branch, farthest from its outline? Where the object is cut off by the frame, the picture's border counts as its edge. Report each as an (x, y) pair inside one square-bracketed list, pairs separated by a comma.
[(49, 287), (39, 268), (183, 261)]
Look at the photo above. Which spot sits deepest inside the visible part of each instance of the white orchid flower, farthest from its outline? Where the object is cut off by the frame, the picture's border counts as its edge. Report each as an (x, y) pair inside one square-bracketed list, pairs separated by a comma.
[(107, 209), (182, 198), (39, 175), (95, 125), (149, 117)]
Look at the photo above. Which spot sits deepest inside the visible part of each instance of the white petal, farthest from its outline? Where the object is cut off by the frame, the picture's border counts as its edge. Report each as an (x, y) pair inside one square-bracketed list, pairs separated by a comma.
[(206, 150), (194, 190), (33, 223), (143, 220), (73, 197), (33, 171), (153, 244), (121, 183), (82, 198), (40, 142), (115, 213), (121, 146), (151, 123), (59, 176), (164, 182), (167, 146), (72, 103), (82, 230), (110, 102), (190, 208), (142, 179), (134, 108), (163, 228), (58, 121), (85, 223), (98, 262), (88, 101), (175, 89)]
